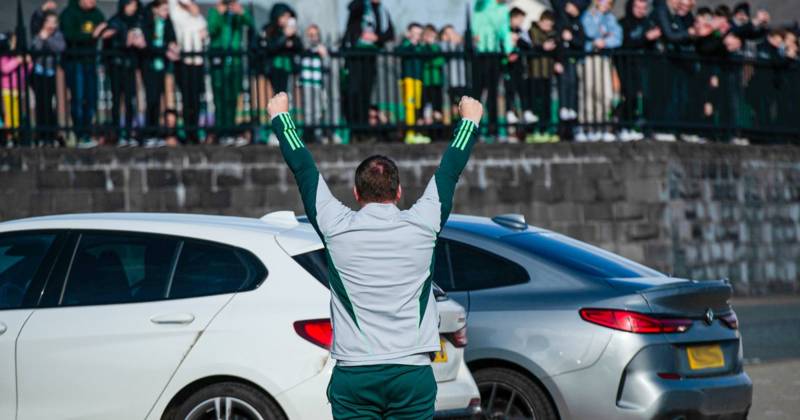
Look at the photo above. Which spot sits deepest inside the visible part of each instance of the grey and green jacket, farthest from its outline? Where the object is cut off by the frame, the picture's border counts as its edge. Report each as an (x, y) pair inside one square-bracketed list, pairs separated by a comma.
[(380, 257)]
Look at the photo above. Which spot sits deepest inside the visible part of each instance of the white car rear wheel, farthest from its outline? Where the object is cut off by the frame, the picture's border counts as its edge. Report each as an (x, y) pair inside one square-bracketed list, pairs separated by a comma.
[(227, 400)]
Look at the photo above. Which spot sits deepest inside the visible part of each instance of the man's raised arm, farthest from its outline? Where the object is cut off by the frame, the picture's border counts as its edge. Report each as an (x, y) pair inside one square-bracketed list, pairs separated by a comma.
[(321, 207), (436, 202)]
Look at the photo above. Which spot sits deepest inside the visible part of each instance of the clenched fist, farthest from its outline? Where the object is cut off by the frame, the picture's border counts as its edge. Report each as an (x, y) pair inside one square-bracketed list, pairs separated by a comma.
[(470, 109), (278, 104)]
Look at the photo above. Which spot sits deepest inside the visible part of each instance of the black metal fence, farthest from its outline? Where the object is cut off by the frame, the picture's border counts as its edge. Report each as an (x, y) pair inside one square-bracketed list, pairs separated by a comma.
[(221, 96)]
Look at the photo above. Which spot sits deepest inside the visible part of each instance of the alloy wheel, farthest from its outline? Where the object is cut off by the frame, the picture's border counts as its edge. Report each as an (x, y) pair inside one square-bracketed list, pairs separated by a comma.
[(500, 401), (224, 408)]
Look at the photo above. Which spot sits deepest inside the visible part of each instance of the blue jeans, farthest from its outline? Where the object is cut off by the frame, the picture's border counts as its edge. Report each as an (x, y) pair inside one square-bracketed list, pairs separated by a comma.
[(82, 82)]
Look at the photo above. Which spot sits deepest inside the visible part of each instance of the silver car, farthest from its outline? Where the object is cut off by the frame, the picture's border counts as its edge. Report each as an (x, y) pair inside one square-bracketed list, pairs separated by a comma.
[(561, 329)]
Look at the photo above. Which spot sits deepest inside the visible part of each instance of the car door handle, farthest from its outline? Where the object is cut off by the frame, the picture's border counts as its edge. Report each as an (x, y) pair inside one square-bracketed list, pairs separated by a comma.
[(3, 328), (174, 319)]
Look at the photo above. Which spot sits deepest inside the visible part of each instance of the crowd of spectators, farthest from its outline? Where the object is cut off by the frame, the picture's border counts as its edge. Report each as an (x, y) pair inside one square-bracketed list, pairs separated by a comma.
[(578, 72)]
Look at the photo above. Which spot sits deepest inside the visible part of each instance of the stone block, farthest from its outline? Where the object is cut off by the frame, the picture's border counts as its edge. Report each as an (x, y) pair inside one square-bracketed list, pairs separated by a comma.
[(160, 178), (645, 190), (89, 179), (610, 190), (196, 178)]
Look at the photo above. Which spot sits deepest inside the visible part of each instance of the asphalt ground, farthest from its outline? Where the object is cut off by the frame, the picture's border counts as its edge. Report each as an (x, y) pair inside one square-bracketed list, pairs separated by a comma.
[(771, 338)]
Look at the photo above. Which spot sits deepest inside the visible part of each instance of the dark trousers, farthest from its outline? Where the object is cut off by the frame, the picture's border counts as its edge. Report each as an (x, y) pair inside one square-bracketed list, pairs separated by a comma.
[(279, 79), (515, 85), (361, 73), (191, 82), (486, 78), (44, 87), (541, 97), (82, 81), (633, 74), (226, 81), (568, 86), (154, 89), (123, 95)]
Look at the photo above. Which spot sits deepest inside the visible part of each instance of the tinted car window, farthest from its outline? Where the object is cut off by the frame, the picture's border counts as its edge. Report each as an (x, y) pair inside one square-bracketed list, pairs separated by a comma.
[(20, 257), (441, 266), (578, 256), (117, 268), (475, 269), (315, 263), (209, 269)]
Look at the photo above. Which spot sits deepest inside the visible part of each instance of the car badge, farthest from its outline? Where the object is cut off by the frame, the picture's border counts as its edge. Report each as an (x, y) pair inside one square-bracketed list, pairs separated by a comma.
[(709, 316)]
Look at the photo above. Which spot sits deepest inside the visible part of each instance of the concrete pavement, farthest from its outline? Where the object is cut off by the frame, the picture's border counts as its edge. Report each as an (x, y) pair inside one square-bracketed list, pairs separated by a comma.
[(771, 338)]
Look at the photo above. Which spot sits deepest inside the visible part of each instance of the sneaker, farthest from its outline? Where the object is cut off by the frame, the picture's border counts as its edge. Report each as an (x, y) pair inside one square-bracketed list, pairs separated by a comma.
[(536, 138), (530, 118), (595, 136), (227, 141), (665, 137), (564, 114), (151, 143), (511, 117), (88, 144), (740, 141), (553, 138), (693, 138), (240, 142), (123, 143), (581, 137), (410, 138), (608, 137), (273, 140)]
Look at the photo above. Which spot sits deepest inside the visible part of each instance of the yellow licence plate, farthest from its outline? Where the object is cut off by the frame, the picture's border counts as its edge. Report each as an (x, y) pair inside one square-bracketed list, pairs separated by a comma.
[(705, 357), (441, 355)]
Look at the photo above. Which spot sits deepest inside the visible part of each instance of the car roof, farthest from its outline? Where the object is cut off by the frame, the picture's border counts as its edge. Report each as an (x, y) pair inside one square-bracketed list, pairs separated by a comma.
[(294, 238), (485, 226)]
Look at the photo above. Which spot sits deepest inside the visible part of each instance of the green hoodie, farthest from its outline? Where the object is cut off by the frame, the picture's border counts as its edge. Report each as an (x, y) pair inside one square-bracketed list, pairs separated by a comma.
[(491, 24), (78, 24), (227, 31)]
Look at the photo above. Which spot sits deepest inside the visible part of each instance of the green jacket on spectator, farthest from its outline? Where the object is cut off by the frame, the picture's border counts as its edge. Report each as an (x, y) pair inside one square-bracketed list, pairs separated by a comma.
[(78, 24), (227, 31), (490, 24), (432, 74)]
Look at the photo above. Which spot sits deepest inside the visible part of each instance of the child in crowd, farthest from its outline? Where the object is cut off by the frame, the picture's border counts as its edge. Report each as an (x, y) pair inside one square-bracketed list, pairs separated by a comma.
[(12, 80), (516, 95), (49, 42), (411, 81), (544, 40), (432, 76), (452, 42), (312, 68)]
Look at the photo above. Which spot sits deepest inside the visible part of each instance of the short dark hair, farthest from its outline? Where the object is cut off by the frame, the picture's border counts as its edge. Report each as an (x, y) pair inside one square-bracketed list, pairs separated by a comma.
[(413, 25), (430, 27), (723, 11), (377, 179), (516, 11), (704, 11), (445, 28), (548, 15)]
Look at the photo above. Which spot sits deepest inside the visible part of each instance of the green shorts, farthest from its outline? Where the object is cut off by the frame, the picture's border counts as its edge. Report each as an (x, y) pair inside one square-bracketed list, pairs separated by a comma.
[(382, 392)]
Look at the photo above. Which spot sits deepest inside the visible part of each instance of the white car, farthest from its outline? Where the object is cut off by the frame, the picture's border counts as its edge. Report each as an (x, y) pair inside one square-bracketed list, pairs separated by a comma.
[(170, 316)]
